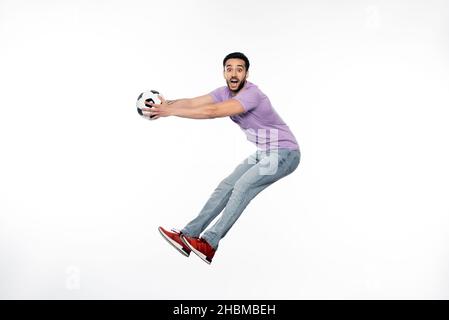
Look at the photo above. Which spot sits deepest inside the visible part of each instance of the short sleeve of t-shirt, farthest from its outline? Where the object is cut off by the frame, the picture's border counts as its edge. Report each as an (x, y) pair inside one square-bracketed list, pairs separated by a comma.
[(217, 95), (249, 98)]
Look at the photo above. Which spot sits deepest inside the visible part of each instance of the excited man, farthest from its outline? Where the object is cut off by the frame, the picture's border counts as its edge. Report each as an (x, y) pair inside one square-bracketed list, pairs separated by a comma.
[(274, 159)]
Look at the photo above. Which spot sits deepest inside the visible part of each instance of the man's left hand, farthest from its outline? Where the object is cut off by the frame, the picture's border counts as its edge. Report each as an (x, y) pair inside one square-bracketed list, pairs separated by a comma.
[(157, 110)]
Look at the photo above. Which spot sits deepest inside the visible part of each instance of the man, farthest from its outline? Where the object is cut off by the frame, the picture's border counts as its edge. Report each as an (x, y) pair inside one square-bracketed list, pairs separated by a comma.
[(275, 158)]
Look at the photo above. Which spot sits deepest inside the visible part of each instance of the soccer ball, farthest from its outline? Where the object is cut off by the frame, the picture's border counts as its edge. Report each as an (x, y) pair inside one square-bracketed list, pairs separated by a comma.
[(147, 96)]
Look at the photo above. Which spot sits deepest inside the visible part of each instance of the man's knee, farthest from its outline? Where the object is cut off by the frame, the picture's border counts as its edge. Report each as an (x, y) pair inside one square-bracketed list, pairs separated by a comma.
[(226, 185), (242, 186)]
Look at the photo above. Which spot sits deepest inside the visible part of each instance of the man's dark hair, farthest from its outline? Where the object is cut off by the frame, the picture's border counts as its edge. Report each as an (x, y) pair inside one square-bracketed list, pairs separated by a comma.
[(236, 55)]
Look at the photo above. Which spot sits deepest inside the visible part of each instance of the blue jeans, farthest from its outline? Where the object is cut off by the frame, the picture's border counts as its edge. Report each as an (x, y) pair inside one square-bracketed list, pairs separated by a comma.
[(233, 194)]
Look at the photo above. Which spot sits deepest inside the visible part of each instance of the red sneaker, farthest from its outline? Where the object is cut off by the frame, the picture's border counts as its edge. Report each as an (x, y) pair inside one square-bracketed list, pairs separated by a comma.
[(174, 239), (200, 247)]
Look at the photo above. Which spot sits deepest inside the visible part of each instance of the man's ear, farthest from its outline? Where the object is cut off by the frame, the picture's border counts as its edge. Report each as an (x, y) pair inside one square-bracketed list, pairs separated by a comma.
[(246, 76)]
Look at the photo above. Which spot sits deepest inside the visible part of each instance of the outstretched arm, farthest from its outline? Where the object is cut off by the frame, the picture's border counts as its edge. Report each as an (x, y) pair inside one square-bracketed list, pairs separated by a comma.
[(203, 108), (192, 102)]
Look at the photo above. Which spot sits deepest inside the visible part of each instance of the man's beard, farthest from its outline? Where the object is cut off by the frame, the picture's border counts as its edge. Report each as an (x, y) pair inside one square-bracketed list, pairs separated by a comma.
[(238, 88)]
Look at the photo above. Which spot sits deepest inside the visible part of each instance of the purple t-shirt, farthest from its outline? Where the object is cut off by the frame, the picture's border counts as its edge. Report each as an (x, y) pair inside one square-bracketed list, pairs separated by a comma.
[(261, 123)]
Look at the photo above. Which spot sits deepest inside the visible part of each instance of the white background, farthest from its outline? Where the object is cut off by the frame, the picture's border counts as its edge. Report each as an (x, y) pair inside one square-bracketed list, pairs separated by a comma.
[(85, 182)]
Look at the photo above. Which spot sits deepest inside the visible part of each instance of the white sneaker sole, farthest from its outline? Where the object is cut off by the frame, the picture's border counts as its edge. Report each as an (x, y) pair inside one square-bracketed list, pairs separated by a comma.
[(176, 245), (199, 254)]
